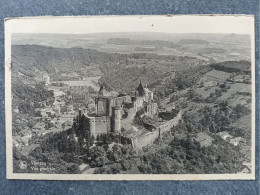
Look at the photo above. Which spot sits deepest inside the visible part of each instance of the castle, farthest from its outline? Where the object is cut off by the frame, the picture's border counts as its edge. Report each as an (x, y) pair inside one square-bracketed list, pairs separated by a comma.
[(115, 113), (109, 110)]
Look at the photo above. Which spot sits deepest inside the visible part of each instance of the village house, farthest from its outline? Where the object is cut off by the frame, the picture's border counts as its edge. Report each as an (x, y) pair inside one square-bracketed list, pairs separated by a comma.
[(237, 140), (224, 135)]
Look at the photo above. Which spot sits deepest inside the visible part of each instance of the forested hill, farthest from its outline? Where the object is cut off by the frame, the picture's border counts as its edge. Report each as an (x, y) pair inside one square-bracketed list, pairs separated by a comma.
[(28, 59), (121, 72), (44, 58), (233, 66)]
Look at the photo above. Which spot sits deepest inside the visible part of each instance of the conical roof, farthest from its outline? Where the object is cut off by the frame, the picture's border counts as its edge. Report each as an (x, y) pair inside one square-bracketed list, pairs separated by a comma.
[(140, 89), (101, 90)]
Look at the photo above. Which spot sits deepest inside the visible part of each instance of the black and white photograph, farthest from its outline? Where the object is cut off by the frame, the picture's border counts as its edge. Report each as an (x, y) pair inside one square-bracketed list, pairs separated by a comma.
[(130, 97)]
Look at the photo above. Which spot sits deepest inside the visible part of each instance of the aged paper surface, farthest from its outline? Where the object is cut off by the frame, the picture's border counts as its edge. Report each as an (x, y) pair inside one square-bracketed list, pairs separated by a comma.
[(130, 97)]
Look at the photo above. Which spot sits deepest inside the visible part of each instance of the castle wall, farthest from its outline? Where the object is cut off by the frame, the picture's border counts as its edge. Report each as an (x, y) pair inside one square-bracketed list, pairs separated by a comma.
[(123, 99), (92, 126), (154, 108), (148, 138), (138, 103), (127, 122), (145, 139), (169, 124), (102, 125), (151, 108)]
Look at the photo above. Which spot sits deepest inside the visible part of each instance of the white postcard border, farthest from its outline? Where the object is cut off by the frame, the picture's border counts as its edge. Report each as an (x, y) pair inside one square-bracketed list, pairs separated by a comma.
[(11, 26)]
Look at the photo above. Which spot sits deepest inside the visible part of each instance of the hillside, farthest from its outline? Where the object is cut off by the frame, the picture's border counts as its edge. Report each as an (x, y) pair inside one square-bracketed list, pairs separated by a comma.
[(150, 71), (34, 57)]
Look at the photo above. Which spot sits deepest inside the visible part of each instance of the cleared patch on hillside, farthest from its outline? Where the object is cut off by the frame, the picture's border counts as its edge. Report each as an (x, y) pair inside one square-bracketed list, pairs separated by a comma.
[(236, 94), (206, 91), (215, 75), (204, 139), (243, 122)]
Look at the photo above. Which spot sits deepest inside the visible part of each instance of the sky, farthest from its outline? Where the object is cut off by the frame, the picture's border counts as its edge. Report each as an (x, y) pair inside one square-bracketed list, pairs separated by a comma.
[(239, 24)]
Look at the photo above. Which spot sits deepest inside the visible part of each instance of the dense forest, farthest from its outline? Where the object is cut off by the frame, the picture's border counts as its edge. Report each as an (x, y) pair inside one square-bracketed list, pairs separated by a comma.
[(233, 66)]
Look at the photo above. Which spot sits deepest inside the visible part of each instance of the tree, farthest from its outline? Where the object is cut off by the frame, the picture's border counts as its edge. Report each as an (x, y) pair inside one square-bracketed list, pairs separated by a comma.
[(223, 106), (144, 168), (213, 128), (115, 168), (73, 169), (96, 152), (191, 94), (125, 165)]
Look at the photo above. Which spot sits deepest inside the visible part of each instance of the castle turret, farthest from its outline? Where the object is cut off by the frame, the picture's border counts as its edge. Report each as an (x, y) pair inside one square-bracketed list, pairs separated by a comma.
[(117, 120)]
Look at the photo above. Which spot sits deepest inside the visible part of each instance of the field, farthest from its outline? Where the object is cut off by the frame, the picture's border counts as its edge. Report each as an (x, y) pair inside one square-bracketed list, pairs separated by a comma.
[(204, 139), (90, 81), (236, 92), (204, 46), (215, 75)]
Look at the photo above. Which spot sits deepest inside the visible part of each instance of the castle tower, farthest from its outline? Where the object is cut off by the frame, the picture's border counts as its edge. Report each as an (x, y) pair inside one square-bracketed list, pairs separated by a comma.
[(111, 105), (102, 106), (92, 126), (117, 120)]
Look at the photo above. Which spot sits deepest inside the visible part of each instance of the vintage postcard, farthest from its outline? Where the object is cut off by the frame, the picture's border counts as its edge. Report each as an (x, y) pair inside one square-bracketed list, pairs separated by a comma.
[(130, 97)]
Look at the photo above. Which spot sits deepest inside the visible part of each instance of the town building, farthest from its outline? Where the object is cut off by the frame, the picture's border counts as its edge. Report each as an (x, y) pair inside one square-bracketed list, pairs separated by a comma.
[(47, 79)]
